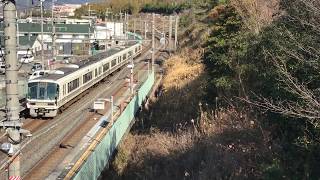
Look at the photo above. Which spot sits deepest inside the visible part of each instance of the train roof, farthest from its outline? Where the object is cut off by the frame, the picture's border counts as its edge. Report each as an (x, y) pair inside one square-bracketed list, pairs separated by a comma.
[(84, 63)]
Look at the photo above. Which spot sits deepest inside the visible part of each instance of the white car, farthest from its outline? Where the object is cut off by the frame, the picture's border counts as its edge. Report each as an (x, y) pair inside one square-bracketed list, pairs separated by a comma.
[(2, 67), (27, 58), (39, 73)]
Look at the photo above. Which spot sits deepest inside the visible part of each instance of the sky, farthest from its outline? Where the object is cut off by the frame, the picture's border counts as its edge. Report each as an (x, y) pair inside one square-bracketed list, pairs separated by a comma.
[(23, 4)]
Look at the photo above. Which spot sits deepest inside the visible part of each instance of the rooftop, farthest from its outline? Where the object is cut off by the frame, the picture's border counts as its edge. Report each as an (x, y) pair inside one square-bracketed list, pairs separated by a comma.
[(24, 41), (84, 63), (47, 28)]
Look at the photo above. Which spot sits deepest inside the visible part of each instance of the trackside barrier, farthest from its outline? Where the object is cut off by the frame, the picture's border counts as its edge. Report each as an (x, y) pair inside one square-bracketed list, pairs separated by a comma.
[(98, 159)]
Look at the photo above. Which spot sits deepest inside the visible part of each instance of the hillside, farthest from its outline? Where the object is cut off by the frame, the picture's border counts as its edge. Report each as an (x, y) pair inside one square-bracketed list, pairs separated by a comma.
[(238, 101)]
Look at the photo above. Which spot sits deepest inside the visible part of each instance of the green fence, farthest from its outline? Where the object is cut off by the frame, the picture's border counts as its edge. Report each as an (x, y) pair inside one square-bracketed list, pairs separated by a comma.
[(99, 158)]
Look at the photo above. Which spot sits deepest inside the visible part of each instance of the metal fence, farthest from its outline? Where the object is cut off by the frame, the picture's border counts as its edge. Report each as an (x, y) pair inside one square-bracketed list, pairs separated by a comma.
[(99, 158)]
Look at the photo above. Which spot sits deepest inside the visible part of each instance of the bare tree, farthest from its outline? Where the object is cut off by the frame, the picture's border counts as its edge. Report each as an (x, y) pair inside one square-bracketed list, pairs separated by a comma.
[(256, 14), (307, 103)]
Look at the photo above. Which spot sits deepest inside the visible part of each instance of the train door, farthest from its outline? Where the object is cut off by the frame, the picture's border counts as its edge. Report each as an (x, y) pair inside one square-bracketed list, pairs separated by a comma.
[(64, 90)]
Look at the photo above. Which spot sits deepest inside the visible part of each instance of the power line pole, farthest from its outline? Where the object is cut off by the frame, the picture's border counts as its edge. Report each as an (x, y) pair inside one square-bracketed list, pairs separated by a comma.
[(131, 75), (134, 27), (170, 34), (164, 30), (106, 20), (89, 11), (13, 123), (126, 27), (176, 33), (145, 29), (153, 45), (53, 33), (114, 28), (140, 25), (42, 52)]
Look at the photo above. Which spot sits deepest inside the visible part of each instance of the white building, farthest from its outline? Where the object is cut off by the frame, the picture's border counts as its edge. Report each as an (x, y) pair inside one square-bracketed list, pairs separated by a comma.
[(26, 45), (110, 31), (66, 9)]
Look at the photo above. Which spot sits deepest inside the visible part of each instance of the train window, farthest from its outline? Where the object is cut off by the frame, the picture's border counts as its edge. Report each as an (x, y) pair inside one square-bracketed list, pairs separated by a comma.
[(33, 90), (64, 90), (43, 90), (52, 92), (100, 70), (113, 62), (96, 72), (136, 49), (73, 85), (87, 77), (124, 56), (106, 67), (130, 53)]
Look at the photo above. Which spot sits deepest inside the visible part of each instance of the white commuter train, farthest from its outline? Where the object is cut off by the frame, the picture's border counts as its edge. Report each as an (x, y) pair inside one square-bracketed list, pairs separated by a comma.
[(48, 93)]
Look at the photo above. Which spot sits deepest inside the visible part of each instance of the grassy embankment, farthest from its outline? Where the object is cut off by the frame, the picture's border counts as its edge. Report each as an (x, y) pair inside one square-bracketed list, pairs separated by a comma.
[(181, 138)]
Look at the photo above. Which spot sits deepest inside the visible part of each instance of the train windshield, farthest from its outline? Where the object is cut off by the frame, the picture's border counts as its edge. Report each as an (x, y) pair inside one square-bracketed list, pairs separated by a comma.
[(42, 90)]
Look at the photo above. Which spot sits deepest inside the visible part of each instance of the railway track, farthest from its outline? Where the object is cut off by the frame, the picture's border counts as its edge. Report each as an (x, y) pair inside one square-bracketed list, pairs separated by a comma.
[(48, 133), (34, 125), (49, 163)]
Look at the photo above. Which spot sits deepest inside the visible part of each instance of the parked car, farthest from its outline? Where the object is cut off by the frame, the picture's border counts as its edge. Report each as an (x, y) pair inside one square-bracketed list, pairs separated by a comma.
[(39, 73), (36, 66), (27, 58), (2, 67), (66, 60)]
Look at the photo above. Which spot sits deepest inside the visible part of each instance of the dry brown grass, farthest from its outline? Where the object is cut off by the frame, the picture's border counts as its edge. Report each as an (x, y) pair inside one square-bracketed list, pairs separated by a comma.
[(183, 68), (228, 146), (216, 11), (180, 140), (182, 90)]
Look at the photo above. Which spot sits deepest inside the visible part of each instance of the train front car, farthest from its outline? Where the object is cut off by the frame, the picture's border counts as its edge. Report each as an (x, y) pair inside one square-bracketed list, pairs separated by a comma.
[(42, 99)]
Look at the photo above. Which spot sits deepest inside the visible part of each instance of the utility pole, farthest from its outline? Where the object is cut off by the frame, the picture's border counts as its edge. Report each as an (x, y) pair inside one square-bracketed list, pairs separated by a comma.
[(140, 25), (89, 11), (42, 52), (170, 34), (13, 123), (131, 75), (114, 28), (134, 27), (111, 99), (145, 30), (106, 20), (164, 30), (176, 34), (89, 37), (121, 22), (153, 45), (126, 27), (53, 33)]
